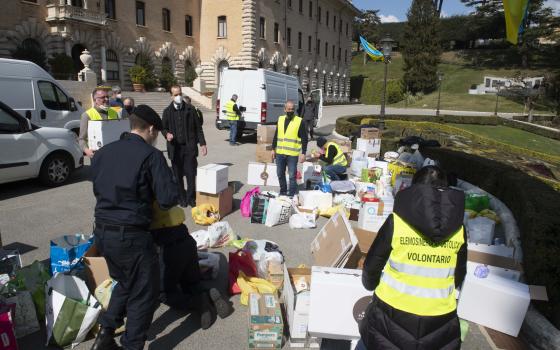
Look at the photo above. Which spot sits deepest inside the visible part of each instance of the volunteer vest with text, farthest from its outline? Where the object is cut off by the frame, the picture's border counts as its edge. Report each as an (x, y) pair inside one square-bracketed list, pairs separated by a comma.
[(289, 142), (230, 113), (94, 114), (339, 158), (419, 276)]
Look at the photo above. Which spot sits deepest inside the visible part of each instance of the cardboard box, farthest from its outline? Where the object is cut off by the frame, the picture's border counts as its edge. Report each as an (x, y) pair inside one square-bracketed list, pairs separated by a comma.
[(373, 215), (96, 268), (297, 302), (265, 322), (346, 145), (103, 132), (334, 243), (265, 133), (223, 200), (212, 178), (370, 133), (315, 199), (264, 174), (337, 317), (499, 250), (308, 343), (264, 153), (275, 274), (369, 146), (358, 255)]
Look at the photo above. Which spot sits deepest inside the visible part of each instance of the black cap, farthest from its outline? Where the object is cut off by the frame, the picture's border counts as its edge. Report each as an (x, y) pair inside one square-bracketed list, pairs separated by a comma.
[(150, 116), (321, 141)]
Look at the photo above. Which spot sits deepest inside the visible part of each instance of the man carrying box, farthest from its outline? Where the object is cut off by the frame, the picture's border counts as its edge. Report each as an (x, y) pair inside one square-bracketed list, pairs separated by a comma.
[(334, 157), (289, 145)]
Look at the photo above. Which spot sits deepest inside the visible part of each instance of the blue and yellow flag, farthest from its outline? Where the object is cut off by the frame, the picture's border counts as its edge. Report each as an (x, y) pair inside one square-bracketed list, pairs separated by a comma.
[(515, 12), (372, 52)]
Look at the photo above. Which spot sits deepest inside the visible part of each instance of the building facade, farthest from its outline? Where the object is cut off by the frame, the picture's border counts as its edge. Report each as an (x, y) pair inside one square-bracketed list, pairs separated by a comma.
[(310, 39)]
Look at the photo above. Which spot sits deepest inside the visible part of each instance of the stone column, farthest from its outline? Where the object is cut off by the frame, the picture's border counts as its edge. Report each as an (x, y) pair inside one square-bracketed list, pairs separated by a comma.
[(248, 53), (67, 47), (103, 52)]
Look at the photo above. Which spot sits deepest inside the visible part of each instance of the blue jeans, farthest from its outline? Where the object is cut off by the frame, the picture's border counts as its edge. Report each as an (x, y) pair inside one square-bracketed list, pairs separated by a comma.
[(281, 162), (232, 131), (334, 171), (361, 345)]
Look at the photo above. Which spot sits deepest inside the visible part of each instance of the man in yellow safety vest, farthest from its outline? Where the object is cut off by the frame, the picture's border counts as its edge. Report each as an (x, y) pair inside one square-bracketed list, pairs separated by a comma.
[(417, 260), (232, 113), (289, 145), (334, 157), (100, 111)]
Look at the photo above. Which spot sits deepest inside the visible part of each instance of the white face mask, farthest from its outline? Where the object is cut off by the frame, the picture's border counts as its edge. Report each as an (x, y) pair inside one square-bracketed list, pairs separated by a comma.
[(178, 99), (119, 96), (103, 107)]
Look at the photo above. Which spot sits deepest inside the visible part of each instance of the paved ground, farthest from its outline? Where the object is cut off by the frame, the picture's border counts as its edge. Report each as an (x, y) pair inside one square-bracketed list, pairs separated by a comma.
[(30, 216)]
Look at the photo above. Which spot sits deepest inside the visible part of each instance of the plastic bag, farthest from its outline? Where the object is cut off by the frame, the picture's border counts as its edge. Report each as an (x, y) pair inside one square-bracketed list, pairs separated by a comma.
[(260, 247), (202, 239), (220, 234), (250, 285), (481, 230), (103, 292), (33, 278), (265, 259), (67, 251), (333, 210), (166, 218), (417, 159), (259, 208), (477, 202), (240, 261), (209, 261), (205, 214), (245, 206), (278, 212), (342, 186), (303, 220)]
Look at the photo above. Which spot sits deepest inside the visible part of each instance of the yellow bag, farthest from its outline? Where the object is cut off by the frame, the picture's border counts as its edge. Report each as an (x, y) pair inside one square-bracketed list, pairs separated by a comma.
[(166, 218), (396, 168), (333, 210), (253, 285), (205, 214)]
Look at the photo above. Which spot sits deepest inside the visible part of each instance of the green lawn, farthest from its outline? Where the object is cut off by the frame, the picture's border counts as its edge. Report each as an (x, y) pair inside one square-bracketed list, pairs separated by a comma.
[(515, 137), (458, 77)]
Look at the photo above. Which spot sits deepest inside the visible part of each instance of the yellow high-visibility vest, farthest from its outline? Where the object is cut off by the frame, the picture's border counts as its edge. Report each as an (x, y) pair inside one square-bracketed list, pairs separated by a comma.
[(94, 114), (288, 141), (339, 158), (230, 113), (419, 277)]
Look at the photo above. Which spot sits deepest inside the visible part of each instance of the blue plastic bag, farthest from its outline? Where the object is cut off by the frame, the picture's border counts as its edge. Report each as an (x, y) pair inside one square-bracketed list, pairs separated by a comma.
[(67, 251)]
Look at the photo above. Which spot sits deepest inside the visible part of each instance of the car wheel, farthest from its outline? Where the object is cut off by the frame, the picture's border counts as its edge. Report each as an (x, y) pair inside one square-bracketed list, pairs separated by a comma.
[(56, 170)]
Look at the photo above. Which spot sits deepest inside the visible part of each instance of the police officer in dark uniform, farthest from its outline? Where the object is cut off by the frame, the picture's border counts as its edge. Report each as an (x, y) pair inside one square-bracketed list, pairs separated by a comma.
[(128, 175)]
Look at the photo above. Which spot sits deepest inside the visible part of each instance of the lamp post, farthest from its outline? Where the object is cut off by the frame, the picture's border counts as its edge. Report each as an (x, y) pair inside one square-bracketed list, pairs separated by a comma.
[(499, 84), (387, 45), (440, 79)]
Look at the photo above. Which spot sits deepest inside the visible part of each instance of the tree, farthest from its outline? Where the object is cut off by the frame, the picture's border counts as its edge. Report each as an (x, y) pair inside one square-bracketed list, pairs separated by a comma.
[(366, 25), (421, 47), (62, 67)]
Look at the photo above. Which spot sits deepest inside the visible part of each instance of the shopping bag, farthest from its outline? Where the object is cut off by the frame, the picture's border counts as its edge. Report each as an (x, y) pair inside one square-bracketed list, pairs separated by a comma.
[(259, 208), (33, 279), (66, 251), (205, 214), (278, 212), (25, 317), (477, 202), (7, 333), (166, 218), (71, 310), (240, 261), (250, 285), (245, 206)]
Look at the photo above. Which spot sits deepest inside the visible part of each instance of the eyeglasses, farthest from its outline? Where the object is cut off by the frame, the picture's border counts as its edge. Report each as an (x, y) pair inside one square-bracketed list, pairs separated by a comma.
[(102, 98)]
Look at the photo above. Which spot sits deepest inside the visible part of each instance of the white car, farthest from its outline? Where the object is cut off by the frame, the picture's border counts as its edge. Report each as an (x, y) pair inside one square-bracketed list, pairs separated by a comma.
[(28, 151)]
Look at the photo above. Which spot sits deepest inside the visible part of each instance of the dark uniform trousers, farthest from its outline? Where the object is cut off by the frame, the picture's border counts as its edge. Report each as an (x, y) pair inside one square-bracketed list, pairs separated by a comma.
[(184, 164), (133, 262)]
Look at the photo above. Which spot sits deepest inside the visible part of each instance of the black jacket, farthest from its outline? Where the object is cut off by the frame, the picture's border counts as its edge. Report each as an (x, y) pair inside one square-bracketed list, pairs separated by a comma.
[(128, 175), (184, 120), (437, 214), (310, 111)]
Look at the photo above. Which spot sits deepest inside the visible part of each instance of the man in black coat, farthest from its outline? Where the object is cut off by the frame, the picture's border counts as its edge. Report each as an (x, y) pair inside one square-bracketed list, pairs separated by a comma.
[(183, 132), (309, 114)]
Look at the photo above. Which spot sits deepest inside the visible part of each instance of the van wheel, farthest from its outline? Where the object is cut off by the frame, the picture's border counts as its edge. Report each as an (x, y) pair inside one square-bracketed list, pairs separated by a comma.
[(55, 170)]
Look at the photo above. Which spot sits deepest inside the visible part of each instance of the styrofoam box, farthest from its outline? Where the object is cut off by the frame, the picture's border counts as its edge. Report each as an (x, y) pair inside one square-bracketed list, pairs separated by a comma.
[(495, 302), (212, 178), (103, 132)]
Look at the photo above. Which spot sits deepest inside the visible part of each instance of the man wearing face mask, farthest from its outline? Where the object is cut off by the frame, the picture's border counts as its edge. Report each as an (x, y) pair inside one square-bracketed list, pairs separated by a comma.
[(101, 110), (183, 132), (128, 103), (116, 100), (128, 175), (289, 145)]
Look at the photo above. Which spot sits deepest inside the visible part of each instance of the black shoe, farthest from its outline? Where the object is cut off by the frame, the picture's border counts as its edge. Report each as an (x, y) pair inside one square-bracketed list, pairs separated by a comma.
[(192, 203), (183, 203), (105, 340), (207, 311), (223, 307)]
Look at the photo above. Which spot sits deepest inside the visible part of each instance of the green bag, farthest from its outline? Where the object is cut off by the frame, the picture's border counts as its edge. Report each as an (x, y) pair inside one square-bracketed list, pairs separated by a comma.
[(33, 278), (477, 202)]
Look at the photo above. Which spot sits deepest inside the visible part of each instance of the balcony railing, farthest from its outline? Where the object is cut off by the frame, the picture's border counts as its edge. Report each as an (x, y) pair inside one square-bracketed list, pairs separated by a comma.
[(57, 12)]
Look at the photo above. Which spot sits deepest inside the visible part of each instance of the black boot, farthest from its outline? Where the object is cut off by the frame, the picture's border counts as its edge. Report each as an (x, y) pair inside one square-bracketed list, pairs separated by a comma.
[(223, 307), (105, 340), (207, 311)]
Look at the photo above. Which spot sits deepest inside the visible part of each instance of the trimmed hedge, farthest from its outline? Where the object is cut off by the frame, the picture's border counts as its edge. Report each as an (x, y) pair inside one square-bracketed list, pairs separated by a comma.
[(371, 92), (535, 129), (536, 208)]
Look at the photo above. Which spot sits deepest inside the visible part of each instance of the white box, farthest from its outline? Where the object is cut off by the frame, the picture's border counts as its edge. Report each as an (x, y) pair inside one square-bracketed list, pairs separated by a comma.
[(496, 303), (297, 306), (356, 154), (480, 230), (372, 146), (495, 271), (373, 215), (262, 174), (357, 165), (103, 132), (338, 303), (212, 178), (315, 199)]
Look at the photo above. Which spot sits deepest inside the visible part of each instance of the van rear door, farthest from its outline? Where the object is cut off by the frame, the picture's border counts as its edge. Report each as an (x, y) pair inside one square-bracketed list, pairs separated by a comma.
[(251, 96), (317, 96)]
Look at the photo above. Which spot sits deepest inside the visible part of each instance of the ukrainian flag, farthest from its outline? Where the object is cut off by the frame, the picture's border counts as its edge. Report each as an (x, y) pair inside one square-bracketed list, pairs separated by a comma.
[(515, 12), (374, 53)]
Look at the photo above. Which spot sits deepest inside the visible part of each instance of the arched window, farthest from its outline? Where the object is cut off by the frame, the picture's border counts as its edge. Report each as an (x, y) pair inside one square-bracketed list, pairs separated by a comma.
[(30, 50), (221, 67), (112, 65)]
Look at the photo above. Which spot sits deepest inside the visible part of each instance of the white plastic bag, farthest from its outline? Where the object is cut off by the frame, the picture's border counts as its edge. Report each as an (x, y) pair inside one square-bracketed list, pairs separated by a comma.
[(417, 159), (202, 239), (344, 186), (278, 212), (210, 261), (428, 162), (258, 249), (265, 259), (220, 234), (481, 230), (303, 220)]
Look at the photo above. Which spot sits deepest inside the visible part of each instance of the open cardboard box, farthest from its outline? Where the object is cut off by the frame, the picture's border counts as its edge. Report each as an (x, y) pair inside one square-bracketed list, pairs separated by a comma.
[(96, 268), (297, 304)]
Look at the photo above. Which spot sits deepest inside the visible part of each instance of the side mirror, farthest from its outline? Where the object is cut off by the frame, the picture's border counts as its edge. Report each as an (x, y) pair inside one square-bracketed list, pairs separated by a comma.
[(28, 115), (26, 126), (73, 107)]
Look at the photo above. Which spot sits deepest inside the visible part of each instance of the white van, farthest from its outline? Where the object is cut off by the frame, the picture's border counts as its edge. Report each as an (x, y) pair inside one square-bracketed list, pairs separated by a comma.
[(36, 95), (262, 93)]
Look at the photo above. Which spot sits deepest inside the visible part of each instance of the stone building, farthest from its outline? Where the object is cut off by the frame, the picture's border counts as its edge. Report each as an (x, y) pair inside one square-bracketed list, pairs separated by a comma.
[(310, 39)]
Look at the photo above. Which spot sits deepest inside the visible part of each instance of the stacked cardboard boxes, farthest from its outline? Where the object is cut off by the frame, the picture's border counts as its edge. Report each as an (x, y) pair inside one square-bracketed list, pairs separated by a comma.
[(213, 188), (266, 327)]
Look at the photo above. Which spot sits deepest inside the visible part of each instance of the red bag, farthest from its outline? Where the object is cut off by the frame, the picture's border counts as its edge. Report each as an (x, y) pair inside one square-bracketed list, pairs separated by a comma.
[(240, 261), (7, 335)]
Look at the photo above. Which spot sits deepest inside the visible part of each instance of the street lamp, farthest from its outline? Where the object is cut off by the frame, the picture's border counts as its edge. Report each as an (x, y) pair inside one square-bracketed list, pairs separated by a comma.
[(440, 79), (498, 84), (387, 46)]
